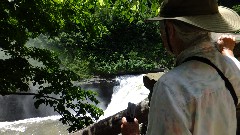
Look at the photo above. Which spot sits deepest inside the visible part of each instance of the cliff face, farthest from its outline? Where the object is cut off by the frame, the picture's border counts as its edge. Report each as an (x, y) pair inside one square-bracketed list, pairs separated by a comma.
[(111, 125)]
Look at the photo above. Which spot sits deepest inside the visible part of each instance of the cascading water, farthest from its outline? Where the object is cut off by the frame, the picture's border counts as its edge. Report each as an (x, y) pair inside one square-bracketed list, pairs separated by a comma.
[(130, 89)]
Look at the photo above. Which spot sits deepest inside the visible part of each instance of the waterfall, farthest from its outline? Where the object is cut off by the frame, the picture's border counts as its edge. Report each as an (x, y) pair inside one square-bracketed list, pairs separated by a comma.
[(131, 89), (113, 98)]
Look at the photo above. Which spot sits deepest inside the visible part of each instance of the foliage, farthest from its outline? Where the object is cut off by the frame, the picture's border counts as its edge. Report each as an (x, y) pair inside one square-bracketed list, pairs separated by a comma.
[(237, 8), (119, 39), (21, 20)]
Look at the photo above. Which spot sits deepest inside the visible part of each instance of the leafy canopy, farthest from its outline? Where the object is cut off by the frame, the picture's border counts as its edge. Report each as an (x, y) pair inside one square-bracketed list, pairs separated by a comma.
[(21, 20)]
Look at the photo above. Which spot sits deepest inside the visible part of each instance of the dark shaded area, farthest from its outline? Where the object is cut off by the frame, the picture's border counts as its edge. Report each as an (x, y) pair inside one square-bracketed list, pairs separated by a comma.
[(229, 3), (104, 89), (236, 50)]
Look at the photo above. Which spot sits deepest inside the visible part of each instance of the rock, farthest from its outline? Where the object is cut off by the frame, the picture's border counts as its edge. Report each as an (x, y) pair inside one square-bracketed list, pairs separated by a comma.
[(112, 124), (149, 80)]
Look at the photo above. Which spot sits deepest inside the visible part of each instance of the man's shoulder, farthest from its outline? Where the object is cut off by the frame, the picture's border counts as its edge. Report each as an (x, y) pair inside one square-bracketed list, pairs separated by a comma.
[(189, 78), (173, 84), (176, 73), (172, 78)]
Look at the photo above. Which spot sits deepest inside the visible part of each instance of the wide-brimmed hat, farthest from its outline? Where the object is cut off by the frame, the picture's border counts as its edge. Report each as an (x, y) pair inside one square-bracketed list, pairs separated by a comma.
[(205, 14)]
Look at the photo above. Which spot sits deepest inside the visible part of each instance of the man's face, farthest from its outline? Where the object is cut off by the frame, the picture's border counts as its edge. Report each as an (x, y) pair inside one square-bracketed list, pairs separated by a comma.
[(172, 43)]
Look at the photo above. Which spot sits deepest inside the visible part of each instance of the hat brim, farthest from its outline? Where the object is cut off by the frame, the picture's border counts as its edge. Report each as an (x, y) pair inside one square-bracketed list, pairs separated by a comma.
[(225, 21)]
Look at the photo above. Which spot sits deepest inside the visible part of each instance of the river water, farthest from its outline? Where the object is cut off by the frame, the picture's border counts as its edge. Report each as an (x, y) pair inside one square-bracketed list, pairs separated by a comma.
[(45, 121)]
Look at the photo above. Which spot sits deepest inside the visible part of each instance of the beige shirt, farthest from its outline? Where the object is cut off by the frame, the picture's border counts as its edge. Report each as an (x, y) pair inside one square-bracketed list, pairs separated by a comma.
[(192, 99)]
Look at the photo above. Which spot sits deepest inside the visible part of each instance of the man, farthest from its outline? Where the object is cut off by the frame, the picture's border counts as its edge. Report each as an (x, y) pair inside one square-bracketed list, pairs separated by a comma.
[(199, 95)]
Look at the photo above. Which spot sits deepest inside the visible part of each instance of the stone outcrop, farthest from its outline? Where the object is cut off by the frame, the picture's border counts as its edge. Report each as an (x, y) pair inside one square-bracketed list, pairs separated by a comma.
[(149, 80), (112, 124)]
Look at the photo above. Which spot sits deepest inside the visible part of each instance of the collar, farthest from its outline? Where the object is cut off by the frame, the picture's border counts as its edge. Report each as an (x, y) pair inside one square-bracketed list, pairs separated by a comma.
[(203, 49)]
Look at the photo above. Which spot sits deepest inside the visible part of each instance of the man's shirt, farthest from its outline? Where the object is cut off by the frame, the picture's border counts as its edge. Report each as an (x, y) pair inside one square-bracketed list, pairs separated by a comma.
[(192, 98)]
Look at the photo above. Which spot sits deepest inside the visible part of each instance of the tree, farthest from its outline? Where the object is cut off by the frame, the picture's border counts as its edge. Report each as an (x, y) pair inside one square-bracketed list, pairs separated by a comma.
[(21, 20), (112, 37)]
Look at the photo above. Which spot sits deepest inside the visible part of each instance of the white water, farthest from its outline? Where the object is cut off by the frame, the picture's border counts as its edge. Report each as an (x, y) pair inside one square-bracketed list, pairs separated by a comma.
[(131, 89), (19, 125)]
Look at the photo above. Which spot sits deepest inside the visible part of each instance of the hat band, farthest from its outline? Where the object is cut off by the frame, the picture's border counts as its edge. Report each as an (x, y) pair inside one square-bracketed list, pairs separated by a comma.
[(171, 9), (178, 13)]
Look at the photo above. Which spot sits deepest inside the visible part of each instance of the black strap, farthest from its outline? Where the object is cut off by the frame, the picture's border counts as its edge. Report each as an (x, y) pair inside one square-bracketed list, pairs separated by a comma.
[(227, 82)]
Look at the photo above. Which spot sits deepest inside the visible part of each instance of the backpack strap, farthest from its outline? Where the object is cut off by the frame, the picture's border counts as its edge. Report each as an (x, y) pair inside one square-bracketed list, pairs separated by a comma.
[(227, 82)]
